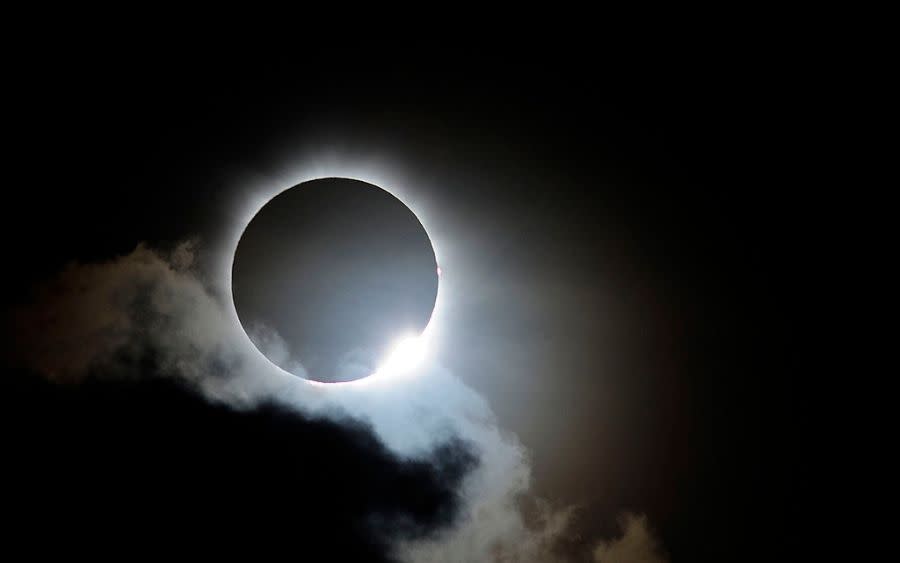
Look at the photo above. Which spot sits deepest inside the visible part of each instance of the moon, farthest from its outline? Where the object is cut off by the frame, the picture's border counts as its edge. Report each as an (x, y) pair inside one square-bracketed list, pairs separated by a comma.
[(330, 275)]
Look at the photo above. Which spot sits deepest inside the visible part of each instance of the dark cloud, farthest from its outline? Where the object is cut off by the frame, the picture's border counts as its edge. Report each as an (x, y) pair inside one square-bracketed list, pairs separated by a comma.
[(130, 468)]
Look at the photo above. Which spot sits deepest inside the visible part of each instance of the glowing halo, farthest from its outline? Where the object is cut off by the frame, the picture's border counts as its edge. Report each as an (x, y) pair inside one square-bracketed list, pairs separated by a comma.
[(409, 351)]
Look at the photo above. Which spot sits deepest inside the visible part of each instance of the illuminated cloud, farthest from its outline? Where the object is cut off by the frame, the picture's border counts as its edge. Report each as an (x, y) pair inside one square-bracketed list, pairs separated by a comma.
[(636, 544)]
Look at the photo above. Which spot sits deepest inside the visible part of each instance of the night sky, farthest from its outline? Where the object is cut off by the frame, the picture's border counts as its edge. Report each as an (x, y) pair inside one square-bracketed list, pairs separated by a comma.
[(615, 238)]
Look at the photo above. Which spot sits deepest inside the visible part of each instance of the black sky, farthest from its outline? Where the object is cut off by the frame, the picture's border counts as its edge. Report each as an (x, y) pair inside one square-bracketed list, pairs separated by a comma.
[(626, 227)]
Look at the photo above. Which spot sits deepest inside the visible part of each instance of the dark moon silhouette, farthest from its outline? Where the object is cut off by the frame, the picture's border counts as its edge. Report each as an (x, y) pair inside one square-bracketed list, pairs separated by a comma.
[(339, 269)]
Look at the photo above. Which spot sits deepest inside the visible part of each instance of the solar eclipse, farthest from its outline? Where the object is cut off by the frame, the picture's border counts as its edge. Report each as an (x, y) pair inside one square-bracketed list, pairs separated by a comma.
[(335, 275)]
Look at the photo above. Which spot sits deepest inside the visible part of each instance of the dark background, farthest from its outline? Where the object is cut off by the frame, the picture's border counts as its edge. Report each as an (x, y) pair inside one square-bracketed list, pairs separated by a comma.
[(634, 200)]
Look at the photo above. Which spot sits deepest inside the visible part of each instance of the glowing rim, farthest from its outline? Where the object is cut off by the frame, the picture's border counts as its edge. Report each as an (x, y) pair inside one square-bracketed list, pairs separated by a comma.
[(389, 368)]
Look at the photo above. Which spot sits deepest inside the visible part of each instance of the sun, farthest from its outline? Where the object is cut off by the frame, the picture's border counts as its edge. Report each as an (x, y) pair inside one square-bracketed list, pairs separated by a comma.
[(336, 335)]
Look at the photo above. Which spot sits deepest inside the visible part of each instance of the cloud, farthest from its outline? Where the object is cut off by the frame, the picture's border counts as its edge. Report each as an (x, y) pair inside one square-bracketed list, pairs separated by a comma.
[(636, 544), (273, 346), (150, 465), (151, 315)]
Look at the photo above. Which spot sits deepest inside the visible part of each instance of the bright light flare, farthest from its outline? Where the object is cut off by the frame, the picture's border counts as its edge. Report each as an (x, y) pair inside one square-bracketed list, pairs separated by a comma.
[(407, 354)]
